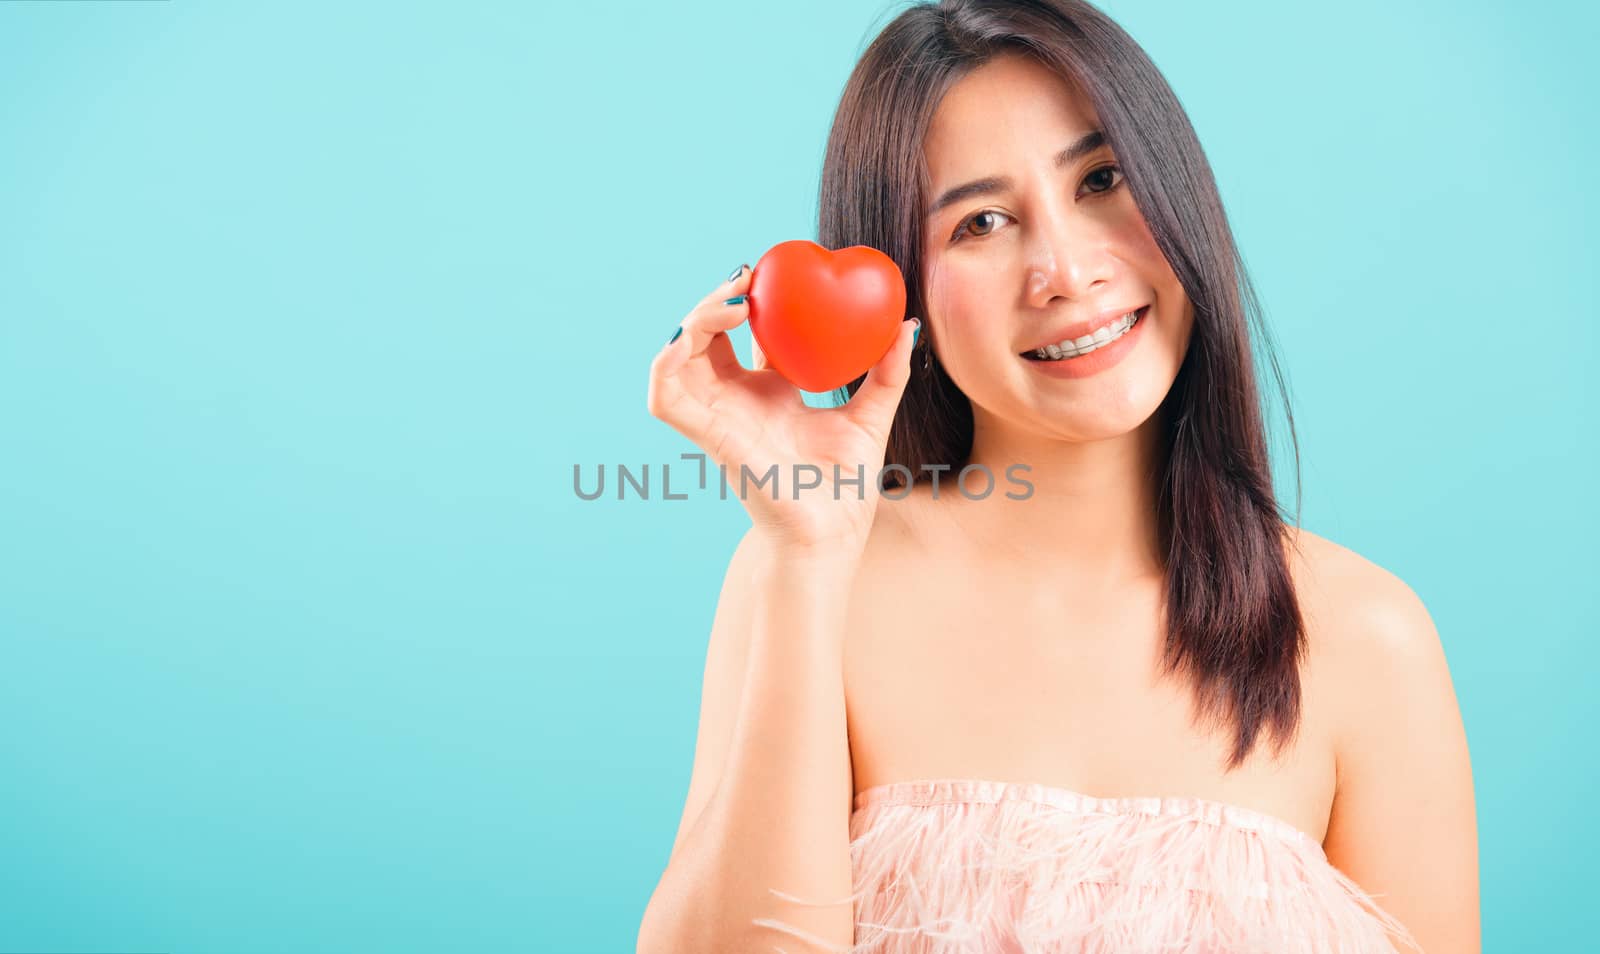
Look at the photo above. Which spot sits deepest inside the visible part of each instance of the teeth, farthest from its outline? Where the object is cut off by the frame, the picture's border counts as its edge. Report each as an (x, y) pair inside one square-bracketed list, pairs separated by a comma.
[(1076, 346)]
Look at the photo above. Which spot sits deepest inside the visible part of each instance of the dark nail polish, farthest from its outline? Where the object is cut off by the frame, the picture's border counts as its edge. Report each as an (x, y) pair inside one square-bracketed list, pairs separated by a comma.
[(735, 300), (675, 335), (737, 272)]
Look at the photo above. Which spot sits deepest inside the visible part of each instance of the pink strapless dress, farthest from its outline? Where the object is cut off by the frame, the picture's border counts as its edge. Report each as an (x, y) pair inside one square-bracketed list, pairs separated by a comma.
[(970, 866)]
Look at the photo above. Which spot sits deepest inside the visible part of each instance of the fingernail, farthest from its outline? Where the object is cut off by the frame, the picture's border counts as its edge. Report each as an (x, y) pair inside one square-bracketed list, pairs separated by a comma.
[(914, 332), (675, 335), (735, 300), (737, 272)]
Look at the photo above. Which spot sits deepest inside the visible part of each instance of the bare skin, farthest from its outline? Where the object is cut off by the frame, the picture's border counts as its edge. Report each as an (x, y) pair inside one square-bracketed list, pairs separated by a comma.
[(959, 664)]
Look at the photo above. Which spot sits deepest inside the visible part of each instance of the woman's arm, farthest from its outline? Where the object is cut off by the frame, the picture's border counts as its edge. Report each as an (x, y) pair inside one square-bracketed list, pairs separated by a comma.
[(770, 793), (1404, 822)]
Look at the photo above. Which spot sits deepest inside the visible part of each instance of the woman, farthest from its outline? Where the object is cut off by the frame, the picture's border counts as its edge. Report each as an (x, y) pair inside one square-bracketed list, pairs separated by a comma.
[(1126, 709)]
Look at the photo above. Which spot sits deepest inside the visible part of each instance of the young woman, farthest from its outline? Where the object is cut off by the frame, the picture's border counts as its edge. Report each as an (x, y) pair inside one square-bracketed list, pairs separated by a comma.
[(1117, 703)]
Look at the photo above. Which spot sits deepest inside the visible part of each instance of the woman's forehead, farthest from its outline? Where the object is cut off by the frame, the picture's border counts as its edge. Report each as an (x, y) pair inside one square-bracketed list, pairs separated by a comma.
[(1005, 102)]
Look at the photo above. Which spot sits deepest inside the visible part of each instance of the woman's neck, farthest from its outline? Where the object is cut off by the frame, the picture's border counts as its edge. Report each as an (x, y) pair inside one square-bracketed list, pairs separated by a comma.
[(1091, 512)]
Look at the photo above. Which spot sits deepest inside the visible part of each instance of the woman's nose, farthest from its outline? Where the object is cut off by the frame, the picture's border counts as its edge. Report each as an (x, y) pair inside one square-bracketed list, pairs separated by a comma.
[(1068, 259)]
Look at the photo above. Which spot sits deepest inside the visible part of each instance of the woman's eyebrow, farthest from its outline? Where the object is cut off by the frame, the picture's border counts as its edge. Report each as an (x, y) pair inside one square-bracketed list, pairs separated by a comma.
[(989, 185)]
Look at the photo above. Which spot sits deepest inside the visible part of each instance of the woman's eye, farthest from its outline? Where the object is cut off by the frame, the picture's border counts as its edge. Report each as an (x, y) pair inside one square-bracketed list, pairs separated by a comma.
[(962, 230), (1109, 183), (1102, 176)]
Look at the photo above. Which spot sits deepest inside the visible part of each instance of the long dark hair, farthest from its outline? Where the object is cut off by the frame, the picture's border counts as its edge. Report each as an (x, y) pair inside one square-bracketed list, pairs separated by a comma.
[(1234, 627)]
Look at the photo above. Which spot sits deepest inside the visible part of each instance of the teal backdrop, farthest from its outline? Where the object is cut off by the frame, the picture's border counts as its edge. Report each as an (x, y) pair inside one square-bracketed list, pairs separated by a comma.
[(307, 312)]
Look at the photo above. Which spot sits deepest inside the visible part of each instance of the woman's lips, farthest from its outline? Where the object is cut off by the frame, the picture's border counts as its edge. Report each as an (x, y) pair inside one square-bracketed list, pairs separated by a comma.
[(1097, 360), (1077, 331)]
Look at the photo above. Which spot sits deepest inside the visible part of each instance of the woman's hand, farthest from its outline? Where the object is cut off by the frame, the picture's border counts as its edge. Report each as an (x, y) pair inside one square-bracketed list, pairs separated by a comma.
[(753, 418)]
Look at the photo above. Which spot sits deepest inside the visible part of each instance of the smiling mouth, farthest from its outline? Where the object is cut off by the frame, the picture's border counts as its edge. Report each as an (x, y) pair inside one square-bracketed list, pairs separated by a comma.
[(1089, 344)]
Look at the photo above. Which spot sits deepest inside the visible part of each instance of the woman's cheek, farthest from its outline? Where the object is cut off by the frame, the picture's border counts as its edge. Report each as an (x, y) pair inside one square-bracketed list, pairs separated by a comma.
[(960, 290), (1139, 237), (945, 307)]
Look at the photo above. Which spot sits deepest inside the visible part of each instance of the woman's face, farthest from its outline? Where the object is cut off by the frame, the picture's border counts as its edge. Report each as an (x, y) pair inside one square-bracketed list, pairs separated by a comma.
[(1053, 253)]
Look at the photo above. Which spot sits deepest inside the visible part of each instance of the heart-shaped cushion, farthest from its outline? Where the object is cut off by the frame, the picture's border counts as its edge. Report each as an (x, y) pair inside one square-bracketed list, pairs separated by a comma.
[(824, 318)]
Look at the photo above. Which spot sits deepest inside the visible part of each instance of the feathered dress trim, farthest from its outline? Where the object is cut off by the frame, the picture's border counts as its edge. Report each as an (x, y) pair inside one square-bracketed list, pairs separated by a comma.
[(969, 866)]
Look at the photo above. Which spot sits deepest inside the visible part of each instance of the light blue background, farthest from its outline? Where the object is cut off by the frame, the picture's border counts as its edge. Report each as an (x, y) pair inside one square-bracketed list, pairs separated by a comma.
[(308, 310)]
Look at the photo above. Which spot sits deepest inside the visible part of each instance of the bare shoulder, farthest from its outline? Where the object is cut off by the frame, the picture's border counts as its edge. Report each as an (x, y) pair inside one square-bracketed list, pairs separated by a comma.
[(1366, 612), (1377, 660), (1403, 823)]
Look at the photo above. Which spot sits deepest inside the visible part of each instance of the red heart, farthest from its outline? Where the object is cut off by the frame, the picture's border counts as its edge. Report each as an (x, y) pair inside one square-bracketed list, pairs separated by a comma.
[(825, 318)]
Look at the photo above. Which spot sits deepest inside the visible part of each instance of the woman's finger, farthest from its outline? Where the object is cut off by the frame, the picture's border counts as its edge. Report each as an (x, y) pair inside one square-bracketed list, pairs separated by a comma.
[(700, 332), (758, 358), (737, 284), (678, 389), (668, 399), (875, 402)]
